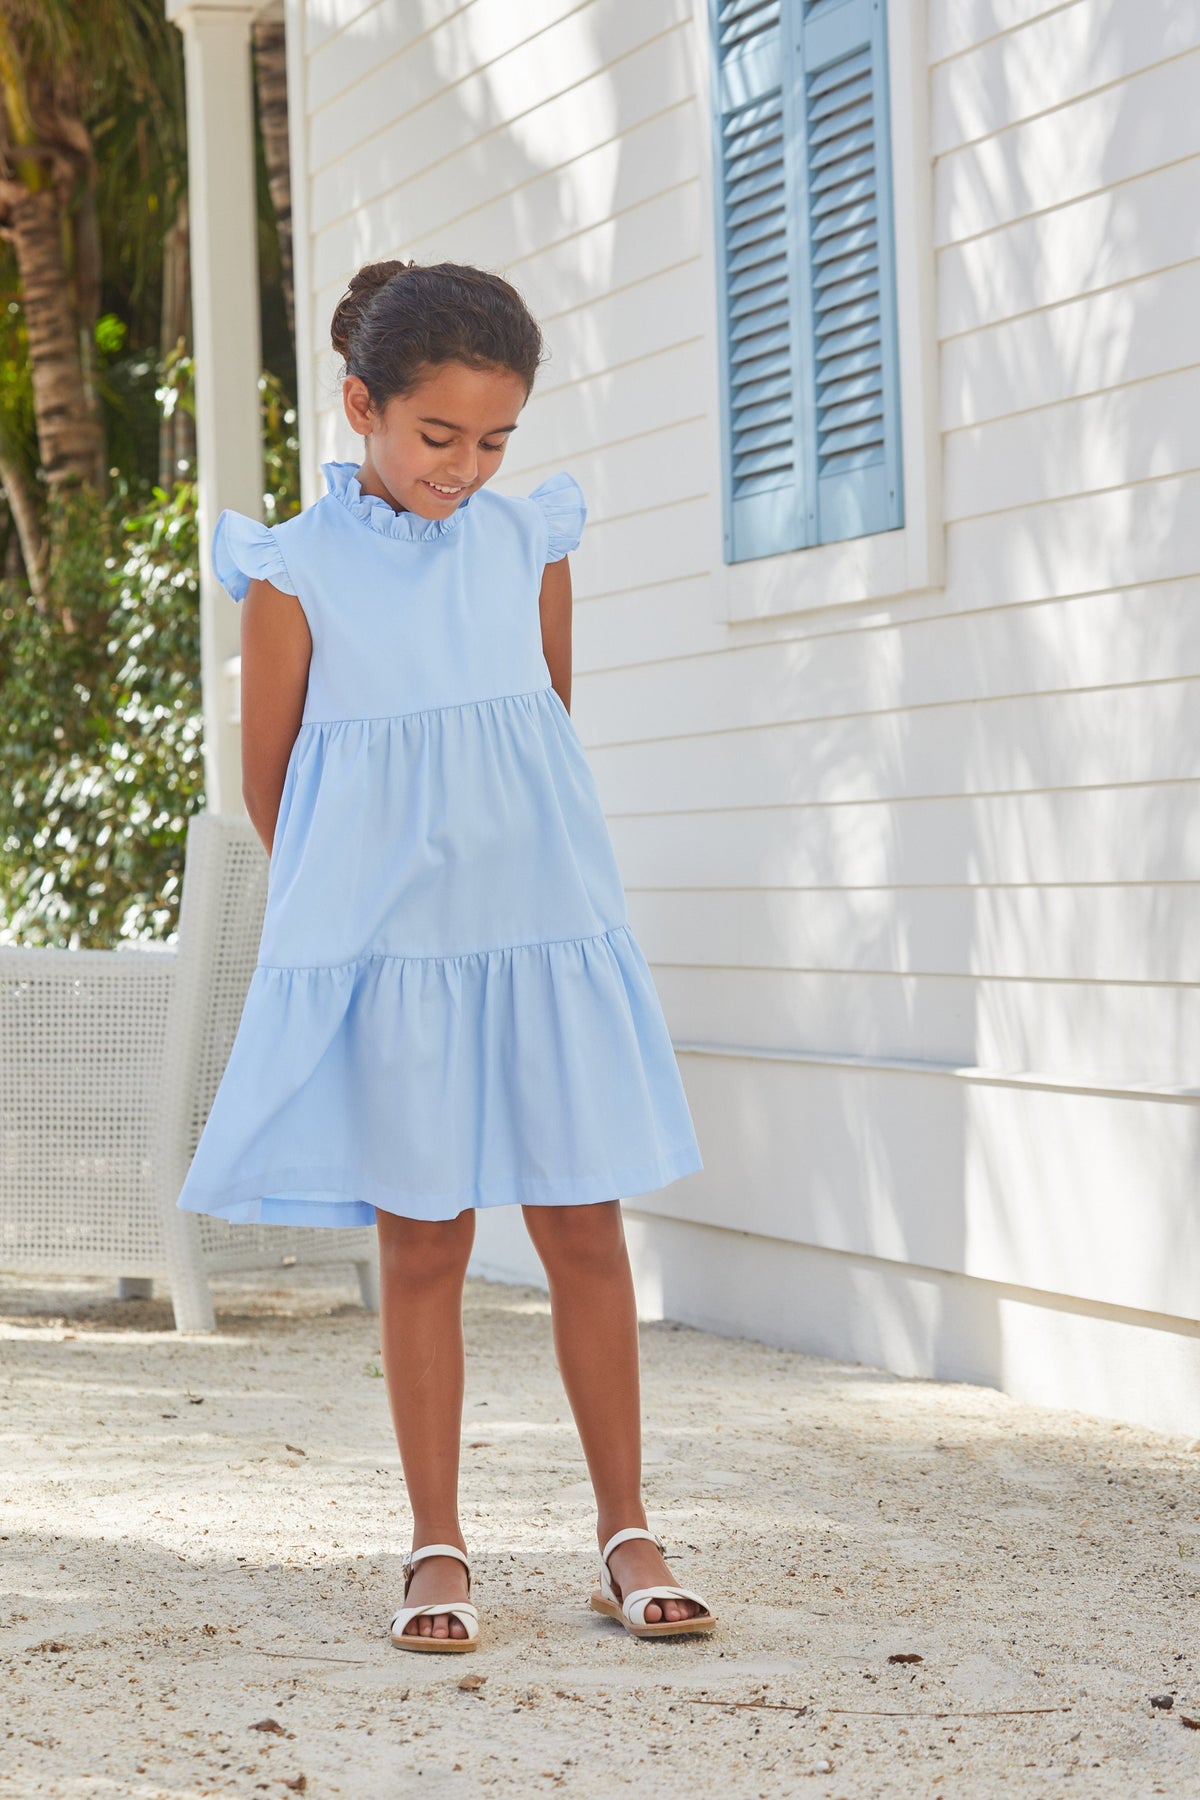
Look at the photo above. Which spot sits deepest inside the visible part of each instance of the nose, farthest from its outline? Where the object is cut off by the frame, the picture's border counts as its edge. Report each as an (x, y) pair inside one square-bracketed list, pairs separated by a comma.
[(462, 477)]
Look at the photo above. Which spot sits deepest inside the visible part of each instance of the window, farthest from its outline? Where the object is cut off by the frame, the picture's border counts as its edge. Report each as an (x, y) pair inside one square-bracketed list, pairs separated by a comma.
[(806, 274)]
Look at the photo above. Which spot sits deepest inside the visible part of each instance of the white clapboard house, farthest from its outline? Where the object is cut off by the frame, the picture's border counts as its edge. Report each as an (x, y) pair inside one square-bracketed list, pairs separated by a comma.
[(875, 332)]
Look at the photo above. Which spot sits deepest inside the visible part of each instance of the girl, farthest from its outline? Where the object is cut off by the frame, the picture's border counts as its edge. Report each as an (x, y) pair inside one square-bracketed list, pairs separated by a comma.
[(449, 1009)]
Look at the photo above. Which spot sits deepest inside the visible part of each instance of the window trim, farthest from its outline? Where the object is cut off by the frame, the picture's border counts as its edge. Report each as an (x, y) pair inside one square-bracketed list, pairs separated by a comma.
[(909, 559)]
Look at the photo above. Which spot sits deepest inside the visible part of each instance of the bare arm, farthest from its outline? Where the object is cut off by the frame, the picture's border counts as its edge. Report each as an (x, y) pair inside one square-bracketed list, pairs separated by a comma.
[(276, 651), (555, 605)]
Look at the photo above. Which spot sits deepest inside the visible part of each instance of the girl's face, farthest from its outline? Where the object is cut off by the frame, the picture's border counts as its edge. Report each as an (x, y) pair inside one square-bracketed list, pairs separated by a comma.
[(427, 450)]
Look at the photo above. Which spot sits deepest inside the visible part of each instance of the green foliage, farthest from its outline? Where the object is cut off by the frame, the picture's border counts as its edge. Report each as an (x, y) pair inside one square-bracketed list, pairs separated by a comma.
[(101, 730), (281, 452), (100, 725), (126, 380), (176, 390), (18, 431)]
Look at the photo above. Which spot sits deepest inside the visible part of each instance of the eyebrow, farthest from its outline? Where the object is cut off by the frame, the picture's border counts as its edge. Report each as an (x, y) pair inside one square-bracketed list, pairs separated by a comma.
[(446, 426)]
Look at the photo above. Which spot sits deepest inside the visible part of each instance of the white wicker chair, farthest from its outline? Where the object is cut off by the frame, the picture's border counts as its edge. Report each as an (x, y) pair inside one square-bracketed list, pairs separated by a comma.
[(109, 1060)]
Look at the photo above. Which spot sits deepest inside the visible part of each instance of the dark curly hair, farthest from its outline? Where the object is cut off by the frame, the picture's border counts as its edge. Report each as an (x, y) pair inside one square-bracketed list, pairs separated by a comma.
[(398, 320)]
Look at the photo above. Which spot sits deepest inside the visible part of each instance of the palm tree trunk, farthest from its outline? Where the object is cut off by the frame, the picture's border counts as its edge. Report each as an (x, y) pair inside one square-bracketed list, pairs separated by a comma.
[(270, 79), (88, 268), (70, 435), (29, 530)]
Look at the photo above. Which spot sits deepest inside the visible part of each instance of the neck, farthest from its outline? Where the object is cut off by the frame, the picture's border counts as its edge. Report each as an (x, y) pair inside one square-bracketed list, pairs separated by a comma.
[(370, 483)]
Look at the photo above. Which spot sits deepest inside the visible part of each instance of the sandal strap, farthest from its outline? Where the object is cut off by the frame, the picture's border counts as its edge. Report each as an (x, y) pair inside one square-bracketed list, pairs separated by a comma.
[(415, 1556), (634, 1605), (464, 1611), (630, 1531)]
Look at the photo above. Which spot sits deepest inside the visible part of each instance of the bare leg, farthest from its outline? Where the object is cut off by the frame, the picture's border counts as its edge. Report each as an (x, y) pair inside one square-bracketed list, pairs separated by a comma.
[(594, 1315), (422, 1266)]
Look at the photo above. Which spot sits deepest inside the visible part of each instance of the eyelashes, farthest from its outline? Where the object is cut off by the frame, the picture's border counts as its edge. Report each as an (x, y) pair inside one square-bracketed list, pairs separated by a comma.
[(437, 444)]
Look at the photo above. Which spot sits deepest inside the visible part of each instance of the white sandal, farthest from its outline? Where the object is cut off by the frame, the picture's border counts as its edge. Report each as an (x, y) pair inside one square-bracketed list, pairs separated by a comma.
[(463, 1610), (631, 1608)]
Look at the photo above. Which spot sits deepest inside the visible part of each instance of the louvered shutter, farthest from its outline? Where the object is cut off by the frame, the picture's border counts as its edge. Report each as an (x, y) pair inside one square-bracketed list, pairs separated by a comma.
[(758, 257), (810, 381), (848, 265)]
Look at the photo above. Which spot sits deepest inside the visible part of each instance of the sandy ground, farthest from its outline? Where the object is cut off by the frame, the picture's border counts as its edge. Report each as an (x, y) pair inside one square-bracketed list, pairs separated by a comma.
[(200, 1535)]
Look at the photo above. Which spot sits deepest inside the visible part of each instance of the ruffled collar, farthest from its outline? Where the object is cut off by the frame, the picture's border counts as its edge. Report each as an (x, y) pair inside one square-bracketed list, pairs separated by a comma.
[(343, 482)]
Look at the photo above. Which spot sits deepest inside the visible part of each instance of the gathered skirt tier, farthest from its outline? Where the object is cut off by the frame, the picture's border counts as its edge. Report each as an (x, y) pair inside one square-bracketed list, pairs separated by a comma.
[(423, 1085), (378, 1064)]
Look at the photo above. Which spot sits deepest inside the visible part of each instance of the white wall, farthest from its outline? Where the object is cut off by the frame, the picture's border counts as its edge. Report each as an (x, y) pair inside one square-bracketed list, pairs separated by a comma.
[(915, 875)]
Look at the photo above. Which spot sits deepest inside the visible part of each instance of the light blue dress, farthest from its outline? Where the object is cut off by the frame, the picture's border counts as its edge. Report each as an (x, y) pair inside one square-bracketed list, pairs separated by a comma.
[(449, 1007)]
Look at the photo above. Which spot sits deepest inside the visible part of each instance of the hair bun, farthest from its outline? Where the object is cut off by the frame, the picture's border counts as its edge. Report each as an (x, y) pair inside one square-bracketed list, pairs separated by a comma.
[(393, 332), (364, 285)]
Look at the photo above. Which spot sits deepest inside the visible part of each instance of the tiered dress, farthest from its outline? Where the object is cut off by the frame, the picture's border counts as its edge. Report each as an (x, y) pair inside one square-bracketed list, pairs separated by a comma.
[(449, 1007)]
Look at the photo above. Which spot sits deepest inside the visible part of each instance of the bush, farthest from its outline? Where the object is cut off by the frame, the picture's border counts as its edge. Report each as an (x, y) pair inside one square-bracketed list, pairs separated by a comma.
[(100, 711)]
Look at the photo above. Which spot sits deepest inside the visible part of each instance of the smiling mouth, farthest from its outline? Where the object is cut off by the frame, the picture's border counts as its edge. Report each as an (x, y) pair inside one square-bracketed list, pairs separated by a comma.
[(446, 493)]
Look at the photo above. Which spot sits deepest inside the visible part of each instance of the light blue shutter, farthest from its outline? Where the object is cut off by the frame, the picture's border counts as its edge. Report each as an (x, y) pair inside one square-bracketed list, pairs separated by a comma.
[(848, 270), (761, 340)]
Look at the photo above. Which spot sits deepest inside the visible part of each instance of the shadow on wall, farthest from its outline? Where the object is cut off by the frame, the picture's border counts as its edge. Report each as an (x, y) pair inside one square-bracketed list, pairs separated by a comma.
[(1054, 736), (522, 151), (1010, 782)]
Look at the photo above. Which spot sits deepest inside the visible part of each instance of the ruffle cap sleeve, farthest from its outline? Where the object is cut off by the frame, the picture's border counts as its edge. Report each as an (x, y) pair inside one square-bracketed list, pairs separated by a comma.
[(560, 501), (243, 550)]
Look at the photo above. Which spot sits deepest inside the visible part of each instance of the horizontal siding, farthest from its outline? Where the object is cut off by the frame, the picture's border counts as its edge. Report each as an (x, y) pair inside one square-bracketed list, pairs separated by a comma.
[(954, 829), (1100, 1031), (969, 23), (1051, 61), (662, 543), (1083, 147), (455, 38), (1145, 835), (1131, 333), (599, 414), (1104, 641), (1101, 738), (1114, 236), (500, 177), (671, 464), (620, 253), (1144, 532), (1029, 934), (1107, 440), (326, 20), (441, 104), (655, 623), (1067, 1193)]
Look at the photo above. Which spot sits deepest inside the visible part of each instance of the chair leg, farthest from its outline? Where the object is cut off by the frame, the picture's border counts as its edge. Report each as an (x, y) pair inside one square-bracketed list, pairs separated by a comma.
[(192, 1301), (135, 1287), (368, 1285), (191, 1297)]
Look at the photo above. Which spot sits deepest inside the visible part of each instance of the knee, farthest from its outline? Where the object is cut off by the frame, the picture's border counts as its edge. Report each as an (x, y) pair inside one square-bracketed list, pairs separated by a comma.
[(570, 1238), (423, 1252)]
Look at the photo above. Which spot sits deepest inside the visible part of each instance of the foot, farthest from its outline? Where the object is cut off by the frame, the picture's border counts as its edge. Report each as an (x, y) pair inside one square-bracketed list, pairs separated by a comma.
[(436, 1578), (637, 1564)]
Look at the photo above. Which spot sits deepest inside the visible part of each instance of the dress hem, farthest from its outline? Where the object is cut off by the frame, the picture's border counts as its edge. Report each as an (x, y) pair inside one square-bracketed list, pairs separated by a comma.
[(251, 1202)]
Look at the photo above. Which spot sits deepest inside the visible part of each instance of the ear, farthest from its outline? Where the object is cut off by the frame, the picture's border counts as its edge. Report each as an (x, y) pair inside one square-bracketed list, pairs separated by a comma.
[(357, 403)]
